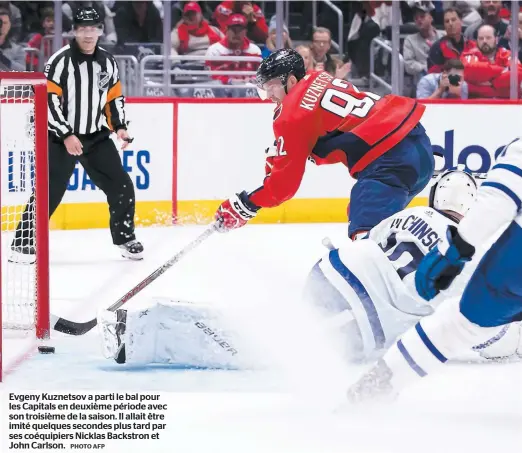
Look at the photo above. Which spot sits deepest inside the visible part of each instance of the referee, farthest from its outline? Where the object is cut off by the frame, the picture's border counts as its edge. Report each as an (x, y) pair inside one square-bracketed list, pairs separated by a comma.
[(85, 106)]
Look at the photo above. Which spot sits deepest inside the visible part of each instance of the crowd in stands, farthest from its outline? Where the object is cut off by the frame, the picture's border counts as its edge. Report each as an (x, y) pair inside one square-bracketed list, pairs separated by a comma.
[(450, 49)]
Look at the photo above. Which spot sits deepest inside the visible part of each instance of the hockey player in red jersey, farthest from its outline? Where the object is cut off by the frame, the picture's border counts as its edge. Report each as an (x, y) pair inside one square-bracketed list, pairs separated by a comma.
[(329, 121)]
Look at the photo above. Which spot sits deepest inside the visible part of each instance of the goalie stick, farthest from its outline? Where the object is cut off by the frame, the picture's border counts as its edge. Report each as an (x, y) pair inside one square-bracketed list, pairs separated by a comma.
[(81, 328)]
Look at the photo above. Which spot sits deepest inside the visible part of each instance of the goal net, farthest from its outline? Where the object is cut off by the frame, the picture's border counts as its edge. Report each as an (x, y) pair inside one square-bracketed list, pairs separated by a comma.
[(24, 199)]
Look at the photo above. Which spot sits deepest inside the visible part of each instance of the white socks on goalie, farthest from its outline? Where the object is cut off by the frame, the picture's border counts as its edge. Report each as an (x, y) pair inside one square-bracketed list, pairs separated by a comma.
[(432, 342)]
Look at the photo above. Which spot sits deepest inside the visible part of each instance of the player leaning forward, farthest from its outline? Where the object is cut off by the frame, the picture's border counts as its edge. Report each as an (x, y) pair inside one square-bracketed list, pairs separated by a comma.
[(86, 105), (328, 121)]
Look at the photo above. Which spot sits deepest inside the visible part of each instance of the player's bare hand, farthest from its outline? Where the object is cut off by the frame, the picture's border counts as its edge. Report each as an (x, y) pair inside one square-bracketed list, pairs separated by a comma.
[(124, 138), (73, 145), (342, 71)]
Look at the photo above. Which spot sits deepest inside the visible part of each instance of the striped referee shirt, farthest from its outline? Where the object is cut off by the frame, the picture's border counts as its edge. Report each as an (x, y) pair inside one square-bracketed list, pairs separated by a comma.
[(84, 92)]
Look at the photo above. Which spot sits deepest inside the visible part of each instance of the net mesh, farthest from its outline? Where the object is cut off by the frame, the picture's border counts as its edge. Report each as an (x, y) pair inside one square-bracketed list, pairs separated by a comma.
[(18, 176)]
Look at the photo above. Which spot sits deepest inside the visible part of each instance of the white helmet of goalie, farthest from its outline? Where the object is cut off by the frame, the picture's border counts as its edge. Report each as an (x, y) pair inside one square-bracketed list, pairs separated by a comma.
[(454, 190)]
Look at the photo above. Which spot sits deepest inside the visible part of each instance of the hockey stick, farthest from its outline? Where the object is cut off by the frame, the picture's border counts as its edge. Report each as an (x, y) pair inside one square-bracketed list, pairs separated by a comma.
[(475, 174), (80, 328), (327, 242)]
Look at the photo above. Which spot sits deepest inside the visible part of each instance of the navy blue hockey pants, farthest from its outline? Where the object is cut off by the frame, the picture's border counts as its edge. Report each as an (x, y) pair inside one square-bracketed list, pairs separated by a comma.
[(493, 296), (388, 184)]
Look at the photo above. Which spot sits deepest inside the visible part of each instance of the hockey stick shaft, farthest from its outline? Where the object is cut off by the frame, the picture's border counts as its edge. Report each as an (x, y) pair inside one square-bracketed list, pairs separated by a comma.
[(473, 173), (80, 328)]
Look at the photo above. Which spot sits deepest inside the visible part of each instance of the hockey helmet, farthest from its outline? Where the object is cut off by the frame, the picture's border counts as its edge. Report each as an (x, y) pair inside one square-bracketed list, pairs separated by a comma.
[(453, 190), (86, 16), (280, 64)]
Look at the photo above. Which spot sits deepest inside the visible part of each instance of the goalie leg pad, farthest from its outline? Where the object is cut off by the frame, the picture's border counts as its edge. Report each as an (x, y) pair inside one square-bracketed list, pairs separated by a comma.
[(177, 333)]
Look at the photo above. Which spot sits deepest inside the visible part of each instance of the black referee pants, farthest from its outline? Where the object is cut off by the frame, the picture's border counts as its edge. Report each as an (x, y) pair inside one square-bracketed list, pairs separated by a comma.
[(101, 161)]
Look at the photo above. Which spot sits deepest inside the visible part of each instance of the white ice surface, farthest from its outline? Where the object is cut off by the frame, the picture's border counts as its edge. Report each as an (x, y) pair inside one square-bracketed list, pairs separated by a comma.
[(255, 274)]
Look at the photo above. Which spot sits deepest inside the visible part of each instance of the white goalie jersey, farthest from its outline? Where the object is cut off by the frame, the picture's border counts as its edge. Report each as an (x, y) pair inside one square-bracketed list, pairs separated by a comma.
[(372, 281), (407, 237)]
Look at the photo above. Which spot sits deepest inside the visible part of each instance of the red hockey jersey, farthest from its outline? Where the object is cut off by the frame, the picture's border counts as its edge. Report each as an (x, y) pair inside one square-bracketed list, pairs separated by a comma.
[(329, 121)]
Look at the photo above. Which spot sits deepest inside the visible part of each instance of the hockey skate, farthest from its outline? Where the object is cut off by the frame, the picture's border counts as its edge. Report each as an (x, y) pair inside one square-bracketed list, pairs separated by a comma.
[(22, 254), (375, 385), (132, 250)]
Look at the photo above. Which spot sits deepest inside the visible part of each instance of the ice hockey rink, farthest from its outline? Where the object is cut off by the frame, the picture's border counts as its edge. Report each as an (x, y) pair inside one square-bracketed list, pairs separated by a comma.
[(292, 402)]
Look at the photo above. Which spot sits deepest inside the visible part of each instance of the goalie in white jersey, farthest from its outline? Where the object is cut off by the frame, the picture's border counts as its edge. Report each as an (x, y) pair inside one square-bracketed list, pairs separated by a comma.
[(492, 299), (367, 287)]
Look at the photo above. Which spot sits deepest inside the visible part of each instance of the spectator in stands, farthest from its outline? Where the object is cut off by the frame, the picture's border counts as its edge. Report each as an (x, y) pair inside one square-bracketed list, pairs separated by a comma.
[(323, 61), (270, 45), (487, 68), (36, 41), (235, 43), (490, 11), (32, 18), (468, 10), (106, 16), (417, 46), (306, 53), (505, 42), (452, 45), (368, 20), (138, 22), (449, 84), (194, 35), (15, 34), (257, 28), (12, 55)]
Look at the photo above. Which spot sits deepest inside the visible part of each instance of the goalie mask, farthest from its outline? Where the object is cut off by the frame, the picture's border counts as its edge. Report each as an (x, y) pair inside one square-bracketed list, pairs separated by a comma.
[(454, 190)]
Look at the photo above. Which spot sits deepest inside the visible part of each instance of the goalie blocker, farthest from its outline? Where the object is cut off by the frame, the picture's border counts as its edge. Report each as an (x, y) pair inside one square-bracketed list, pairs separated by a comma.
[(177, 333)]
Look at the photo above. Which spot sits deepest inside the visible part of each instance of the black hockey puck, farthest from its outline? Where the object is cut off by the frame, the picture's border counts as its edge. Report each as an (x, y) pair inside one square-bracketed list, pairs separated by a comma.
[(46, 349)]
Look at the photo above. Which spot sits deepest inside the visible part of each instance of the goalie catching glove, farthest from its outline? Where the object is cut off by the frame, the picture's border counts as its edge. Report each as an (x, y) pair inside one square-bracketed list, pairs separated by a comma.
[(235, 212)]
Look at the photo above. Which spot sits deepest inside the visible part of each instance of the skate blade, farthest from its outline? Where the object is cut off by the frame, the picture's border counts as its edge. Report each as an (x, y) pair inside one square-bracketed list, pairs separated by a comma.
[(131, 256)]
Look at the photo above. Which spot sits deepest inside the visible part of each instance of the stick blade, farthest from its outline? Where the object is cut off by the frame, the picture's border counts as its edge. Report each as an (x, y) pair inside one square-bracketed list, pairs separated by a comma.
[(71, 327)]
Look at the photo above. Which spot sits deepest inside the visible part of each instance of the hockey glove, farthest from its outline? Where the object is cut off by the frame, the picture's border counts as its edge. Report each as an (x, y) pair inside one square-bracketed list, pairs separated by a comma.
[(439, 267), (235, 213)]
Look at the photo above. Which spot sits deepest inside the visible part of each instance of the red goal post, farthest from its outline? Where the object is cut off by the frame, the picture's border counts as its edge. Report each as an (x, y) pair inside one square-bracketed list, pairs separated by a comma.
[(24, 298)]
